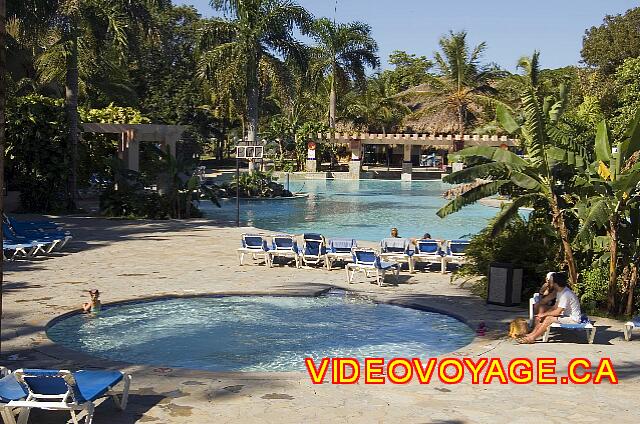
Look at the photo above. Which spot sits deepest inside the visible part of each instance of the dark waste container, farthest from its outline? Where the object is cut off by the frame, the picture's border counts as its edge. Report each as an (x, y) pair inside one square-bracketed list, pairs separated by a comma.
[(505, 284)]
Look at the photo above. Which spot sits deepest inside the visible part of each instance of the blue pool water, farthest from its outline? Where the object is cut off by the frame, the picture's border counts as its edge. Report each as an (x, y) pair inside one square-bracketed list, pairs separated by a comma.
[(365, 210), (259, 333)]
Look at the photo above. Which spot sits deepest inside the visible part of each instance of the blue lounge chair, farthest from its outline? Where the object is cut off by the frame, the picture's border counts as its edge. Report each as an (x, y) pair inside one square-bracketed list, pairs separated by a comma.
[(45, 243), (44, 230), (339, 249), (455, 252), (430, 251), (254, 245), (367, 261), (397, 250), (629, 326), (60, 390), (584, 324), (314, 249), (11, 251), (284, 246)]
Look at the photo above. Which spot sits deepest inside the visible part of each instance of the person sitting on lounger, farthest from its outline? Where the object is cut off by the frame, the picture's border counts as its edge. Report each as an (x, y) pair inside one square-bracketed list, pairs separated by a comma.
[(394, 233), (565, 311), (94, 305), (547, 295)]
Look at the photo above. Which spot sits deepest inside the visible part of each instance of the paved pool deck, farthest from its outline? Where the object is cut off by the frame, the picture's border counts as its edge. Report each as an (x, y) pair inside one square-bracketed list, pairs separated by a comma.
[(139, 259)]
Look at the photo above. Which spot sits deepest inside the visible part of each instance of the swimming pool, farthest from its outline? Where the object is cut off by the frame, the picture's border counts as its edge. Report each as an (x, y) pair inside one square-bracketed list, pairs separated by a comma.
[(364, 209), (259, 333)]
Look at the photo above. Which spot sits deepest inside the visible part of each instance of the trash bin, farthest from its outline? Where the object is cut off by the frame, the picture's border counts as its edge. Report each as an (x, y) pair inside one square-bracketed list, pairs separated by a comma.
[(505, 284)]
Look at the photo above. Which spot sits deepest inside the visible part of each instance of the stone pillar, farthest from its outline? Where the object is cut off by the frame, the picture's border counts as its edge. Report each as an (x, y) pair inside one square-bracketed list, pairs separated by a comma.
[(312, 163), (355, 163), (133, 151), (407, 166)]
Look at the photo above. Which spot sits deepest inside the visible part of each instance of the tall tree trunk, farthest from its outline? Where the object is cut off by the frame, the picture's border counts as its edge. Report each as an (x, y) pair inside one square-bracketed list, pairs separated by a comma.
[(332, 105), (252, 97), (3, 100), (71, 103), (559, 223), (633, 280), (613, 264)]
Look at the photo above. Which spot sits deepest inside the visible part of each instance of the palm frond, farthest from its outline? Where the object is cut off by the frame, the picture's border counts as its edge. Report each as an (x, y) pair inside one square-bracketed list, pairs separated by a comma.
[(510, 211), (471, 196)]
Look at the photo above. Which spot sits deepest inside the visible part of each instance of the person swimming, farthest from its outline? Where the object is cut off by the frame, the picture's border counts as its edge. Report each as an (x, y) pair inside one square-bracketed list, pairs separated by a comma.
[(94, 305)]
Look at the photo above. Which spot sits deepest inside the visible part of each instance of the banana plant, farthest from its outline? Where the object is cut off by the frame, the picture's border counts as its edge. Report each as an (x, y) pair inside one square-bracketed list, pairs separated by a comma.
[(611, 206), (552, 165)]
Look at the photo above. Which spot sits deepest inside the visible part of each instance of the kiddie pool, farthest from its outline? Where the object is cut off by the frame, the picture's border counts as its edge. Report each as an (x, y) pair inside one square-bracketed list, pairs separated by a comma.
[(258, 333)]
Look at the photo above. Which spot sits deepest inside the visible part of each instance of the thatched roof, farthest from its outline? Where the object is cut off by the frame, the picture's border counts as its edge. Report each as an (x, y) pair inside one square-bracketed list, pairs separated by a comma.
[(428, 113)]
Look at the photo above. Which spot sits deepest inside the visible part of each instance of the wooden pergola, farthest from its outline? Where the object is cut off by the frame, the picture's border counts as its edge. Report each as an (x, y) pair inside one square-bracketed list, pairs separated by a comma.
[(132, 134)]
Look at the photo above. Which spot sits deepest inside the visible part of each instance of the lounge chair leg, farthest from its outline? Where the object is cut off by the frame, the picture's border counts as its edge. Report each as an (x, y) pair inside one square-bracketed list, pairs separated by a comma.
[(89, 418), (545, 337), (23, 415), (627, 332), (7, 416)]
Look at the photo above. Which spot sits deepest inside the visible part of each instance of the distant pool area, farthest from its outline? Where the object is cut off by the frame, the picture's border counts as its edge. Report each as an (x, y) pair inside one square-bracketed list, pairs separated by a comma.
[(259, 333), (361, 209)]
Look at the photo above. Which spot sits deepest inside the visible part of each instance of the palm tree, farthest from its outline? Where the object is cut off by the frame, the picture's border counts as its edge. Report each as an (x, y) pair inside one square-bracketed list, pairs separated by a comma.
[(537, 180), (343, 52), (71, 33), (612, 203), (377, 107), (463, 87), (3, 100), (237, 53)]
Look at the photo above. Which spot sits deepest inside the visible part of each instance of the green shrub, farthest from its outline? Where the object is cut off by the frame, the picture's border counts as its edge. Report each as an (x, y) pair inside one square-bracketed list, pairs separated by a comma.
[(529, 244), (133, 204), (37, 152), (592, 288), (256, 184)]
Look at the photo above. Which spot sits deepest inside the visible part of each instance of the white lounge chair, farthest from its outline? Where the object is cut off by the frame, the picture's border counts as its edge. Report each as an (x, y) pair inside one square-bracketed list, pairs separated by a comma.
[(340, 250), (397, 249), (429, 251), (629, 326), (254, 245), (284, 246), (314, 249), (367, 261), (455, 252), (62, 390), (585, 323)]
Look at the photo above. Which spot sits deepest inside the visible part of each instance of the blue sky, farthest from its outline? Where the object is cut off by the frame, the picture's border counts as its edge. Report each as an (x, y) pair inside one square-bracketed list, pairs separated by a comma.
[(511, 28)]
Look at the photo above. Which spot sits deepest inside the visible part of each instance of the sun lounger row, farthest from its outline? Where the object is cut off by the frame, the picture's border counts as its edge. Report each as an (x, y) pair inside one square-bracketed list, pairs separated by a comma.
[(59, 390), (442, 252), (26, 239), (314, 250)]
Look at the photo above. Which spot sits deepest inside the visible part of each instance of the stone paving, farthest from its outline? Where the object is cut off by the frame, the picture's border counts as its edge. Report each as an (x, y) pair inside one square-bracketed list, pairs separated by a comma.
[(139, 259)]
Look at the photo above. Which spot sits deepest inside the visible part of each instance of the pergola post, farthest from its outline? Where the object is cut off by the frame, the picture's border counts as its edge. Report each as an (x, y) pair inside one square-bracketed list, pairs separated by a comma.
[(133, 151), (407, 165), (355, 162)]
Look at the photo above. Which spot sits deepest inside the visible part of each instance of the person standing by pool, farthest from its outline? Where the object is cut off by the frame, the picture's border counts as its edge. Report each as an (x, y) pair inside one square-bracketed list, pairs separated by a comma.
[(94, 305)]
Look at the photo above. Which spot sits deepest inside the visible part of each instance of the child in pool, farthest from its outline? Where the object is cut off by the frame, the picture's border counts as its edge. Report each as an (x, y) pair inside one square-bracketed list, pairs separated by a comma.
[(94, 305)]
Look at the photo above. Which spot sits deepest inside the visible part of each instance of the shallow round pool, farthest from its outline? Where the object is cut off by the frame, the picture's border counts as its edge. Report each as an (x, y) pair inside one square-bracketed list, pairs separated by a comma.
[(258, 333)]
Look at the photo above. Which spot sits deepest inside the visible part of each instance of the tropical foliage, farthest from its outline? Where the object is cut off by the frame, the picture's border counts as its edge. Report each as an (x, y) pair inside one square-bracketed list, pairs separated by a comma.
[(268, 70)]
